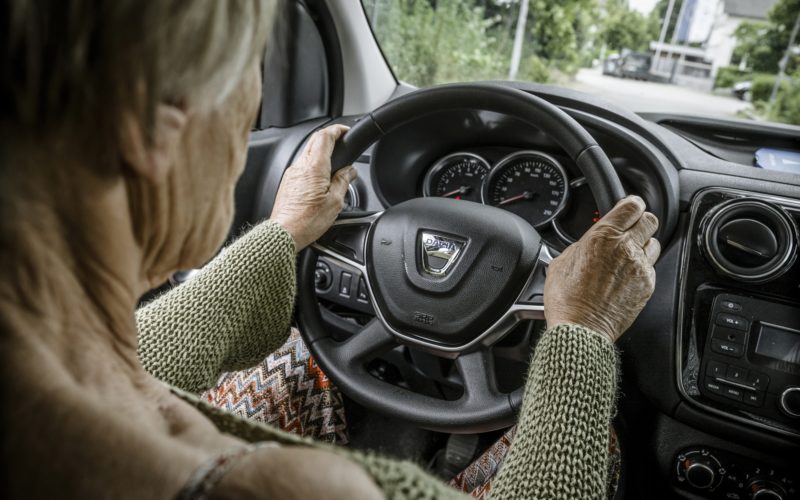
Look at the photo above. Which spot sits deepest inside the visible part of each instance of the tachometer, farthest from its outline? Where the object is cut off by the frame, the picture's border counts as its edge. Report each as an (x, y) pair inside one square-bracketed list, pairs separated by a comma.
[(458, 176), (531, 184)]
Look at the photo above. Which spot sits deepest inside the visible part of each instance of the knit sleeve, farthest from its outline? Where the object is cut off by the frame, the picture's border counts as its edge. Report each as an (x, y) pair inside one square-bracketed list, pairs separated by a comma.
[(227, 317), (560, 449)]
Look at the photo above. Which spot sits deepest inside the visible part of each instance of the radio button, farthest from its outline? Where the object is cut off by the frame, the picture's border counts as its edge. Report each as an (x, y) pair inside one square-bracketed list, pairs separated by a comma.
[(713, 386), (723, 390), (733, 393), (727, 348), (715, 369), (736, 374), (729, 334), (754, 399), (758, 381), (732, 321)]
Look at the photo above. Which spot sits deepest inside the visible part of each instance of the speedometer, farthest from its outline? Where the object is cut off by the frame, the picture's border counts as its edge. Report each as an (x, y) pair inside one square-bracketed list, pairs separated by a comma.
[(459, 176), (530, 184)]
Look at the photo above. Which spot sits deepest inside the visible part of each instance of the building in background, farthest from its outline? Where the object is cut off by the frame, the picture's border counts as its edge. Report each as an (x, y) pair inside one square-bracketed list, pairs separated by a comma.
[(704, 40)]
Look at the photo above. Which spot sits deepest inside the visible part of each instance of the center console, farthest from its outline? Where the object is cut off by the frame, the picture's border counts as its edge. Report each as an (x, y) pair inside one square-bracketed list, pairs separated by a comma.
[(738, 345)]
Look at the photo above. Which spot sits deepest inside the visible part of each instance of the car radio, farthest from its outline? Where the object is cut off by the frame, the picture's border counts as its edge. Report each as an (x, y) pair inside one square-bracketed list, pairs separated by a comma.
[(751, 357)]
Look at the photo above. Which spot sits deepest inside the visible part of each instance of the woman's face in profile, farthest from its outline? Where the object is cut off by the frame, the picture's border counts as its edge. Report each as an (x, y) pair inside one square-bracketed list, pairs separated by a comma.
[(210, 160)]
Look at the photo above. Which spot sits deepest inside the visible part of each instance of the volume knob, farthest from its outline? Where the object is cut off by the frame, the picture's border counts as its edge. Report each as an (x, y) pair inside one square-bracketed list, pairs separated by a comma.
[(700, 475), (790, 401)]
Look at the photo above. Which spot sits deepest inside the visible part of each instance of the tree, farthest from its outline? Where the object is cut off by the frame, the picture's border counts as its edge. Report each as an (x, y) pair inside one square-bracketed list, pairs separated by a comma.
[(762, 45), (429, 43), (626, 29)]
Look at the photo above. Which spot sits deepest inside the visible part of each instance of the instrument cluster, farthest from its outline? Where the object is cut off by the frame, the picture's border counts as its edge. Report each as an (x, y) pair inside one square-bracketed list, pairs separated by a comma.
[(529, 183)]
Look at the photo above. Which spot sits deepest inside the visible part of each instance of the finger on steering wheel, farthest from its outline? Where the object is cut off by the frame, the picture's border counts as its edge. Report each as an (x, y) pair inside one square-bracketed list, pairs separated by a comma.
[(624, 215), (320, 147), (644, 229)]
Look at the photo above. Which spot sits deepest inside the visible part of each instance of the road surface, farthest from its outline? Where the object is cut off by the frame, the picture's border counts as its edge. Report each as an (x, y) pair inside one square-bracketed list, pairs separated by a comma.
[(655, 97)]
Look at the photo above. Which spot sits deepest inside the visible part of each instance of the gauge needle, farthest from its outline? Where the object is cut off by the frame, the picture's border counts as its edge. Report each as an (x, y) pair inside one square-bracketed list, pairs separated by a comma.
[(461, 190), (527, 195)]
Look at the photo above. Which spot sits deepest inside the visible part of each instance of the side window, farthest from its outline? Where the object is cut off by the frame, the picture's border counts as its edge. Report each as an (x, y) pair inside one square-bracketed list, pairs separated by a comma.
[(295, 71)]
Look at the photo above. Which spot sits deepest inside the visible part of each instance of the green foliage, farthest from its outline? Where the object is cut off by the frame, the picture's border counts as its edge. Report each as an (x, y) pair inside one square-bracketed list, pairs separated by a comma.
[(761, 45), (626, 29), (427, 45), (429, 42), (762, 87), (554, 29), (534, 69), (787, 103), (728, 76)]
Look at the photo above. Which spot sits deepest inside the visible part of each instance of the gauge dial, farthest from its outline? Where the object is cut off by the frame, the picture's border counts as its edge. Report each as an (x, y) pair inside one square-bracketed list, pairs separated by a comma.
[(459, 176), (579, 215), (530, 184)]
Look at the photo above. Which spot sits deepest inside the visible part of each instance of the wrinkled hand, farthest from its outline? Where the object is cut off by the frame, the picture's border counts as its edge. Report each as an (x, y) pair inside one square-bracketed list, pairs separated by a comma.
[(308, 199), (604, 280)]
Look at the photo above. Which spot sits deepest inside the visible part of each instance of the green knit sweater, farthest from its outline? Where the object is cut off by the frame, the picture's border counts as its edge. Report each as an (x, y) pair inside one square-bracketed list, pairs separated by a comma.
[(238, 309)]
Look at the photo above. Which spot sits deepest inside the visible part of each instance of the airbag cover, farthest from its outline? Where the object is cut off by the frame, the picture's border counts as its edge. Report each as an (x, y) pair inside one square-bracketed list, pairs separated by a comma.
[(493, 253)]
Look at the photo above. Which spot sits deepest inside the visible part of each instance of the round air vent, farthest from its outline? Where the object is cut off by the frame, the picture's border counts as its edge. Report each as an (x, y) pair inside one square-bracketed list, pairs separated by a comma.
[(748, 240)]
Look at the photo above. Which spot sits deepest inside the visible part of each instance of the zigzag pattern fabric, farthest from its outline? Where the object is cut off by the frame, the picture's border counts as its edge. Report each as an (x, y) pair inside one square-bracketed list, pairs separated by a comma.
[(287, 390)]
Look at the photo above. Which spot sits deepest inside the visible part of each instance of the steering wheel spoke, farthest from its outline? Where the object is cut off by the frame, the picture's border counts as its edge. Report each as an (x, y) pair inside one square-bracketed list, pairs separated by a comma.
[(477, 371), (531, 300), (369, 342), (530, 303), (346, 239)]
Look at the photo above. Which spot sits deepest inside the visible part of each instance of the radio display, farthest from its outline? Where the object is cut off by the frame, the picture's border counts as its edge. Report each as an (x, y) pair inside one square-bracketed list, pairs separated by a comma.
[(779, 343)]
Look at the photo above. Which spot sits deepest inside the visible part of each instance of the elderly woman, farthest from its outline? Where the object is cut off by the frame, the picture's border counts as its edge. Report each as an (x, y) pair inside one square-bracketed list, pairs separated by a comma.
[(124, 126)]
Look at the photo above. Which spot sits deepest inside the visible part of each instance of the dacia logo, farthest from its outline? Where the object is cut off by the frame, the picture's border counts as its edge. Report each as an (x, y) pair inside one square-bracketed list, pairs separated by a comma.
[(441, 244), (439, 253)]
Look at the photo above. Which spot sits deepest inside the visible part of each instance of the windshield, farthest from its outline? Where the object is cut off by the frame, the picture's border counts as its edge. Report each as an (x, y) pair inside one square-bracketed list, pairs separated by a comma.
[(729, 58)]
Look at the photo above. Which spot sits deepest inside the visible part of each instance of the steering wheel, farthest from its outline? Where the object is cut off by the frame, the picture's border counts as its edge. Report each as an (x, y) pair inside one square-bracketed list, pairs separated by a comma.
[(445, 276)]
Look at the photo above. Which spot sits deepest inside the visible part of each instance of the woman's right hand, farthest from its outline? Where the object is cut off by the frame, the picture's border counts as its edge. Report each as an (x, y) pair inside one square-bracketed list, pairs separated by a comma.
[(308, 199), (604, 280)]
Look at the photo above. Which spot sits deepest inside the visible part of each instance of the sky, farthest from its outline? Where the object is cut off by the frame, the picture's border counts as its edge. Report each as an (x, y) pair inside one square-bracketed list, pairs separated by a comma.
[(643, 6)]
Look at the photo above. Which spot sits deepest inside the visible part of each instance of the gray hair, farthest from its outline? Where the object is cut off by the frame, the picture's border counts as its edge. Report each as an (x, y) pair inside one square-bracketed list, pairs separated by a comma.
[(76, 66)]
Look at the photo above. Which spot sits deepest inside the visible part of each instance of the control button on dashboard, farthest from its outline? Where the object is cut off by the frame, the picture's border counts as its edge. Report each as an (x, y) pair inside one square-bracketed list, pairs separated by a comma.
[(729, 305), (757, 381), (726, 348), (736, 374), (732, 321), (362, 293), (729, 334), (700, 475), (754, 399), (714, 387), (323, 277), (344, 284), (716, 369), (733, 393)]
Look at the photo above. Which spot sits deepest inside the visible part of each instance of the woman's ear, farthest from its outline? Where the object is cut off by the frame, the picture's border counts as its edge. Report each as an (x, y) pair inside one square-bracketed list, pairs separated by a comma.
[(153, 160)]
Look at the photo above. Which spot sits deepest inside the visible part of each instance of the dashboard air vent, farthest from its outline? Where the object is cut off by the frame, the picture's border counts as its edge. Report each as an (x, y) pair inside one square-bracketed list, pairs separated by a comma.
[(748, 240)]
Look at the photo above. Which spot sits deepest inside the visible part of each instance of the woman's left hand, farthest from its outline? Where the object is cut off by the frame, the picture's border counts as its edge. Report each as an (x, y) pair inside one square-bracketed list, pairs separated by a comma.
[(308, 199)]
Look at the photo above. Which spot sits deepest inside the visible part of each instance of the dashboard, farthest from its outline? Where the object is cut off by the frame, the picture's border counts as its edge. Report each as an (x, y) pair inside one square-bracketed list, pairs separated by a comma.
[(716, 403)]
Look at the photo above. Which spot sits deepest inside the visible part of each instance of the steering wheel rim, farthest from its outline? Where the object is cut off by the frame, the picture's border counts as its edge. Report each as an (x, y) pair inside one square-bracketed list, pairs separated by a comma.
[(482, 407)]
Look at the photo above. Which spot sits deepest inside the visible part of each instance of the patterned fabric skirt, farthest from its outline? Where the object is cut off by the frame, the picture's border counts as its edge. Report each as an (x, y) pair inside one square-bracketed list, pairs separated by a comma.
[(289, 390)]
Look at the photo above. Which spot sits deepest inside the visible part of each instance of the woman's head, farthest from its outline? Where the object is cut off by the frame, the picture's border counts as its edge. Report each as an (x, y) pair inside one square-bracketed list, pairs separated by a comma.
[(157, 96)]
